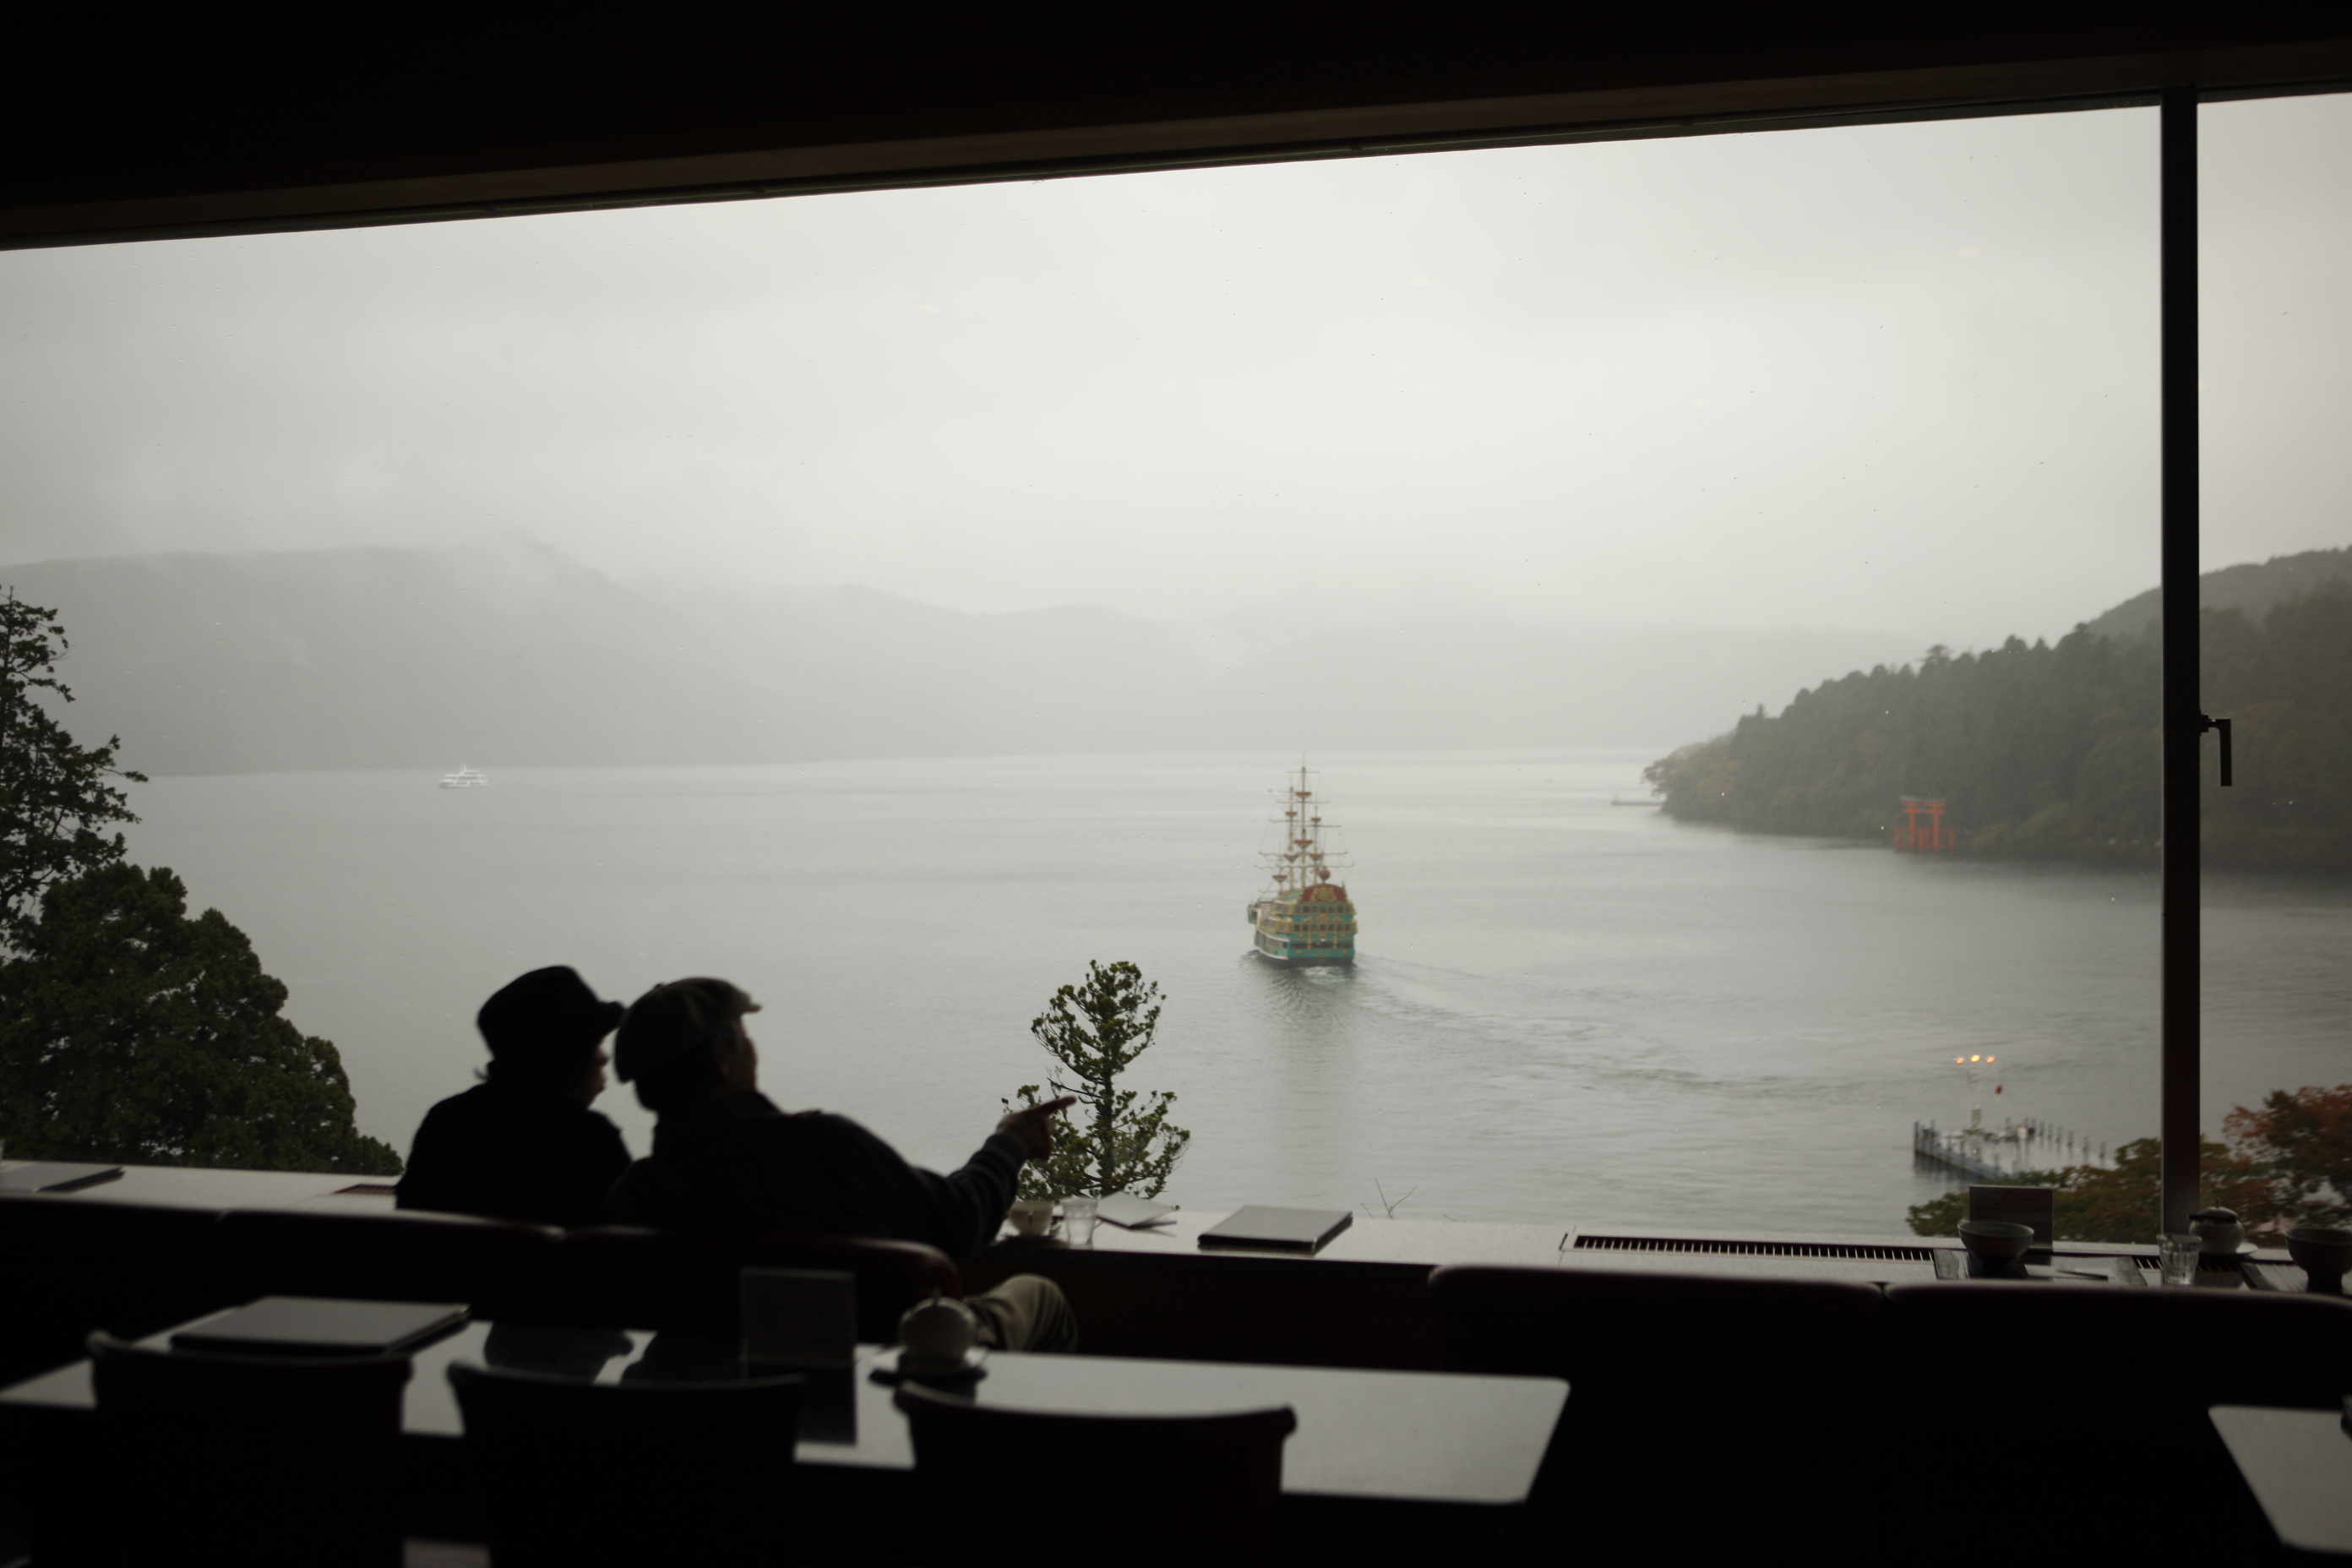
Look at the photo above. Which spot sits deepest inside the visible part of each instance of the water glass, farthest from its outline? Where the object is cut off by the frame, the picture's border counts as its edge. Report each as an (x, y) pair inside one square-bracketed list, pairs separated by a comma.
[(2176, 1255), (1078, 1222)]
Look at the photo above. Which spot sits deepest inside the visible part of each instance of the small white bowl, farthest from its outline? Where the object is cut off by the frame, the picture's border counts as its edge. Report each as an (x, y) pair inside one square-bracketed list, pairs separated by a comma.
[(1996, 1240)]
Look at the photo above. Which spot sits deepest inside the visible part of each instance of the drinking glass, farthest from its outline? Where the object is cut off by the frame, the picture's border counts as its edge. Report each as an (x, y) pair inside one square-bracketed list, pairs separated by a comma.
[(1078, 1222), (2177, 1255)]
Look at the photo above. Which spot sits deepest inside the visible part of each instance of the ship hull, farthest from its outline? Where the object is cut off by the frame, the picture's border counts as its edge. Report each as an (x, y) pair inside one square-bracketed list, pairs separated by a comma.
[(1300, 951), (1307, 959)]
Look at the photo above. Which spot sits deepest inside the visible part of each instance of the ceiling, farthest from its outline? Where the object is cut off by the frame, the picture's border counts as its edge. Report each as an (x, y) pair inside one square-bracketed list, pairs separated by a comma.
[(210, 123)]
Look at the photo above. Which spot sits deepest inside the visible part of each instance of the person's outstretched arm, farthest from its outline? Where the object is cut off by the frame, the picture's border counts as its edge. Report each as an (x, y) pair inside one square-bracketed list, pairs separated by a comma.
[(959, 1213)]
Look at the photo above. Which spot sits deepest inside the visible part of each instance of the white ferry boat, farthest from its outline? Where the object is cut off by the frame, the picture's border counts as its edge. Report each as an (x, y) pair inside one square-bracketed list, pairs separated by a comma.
[(464, 778), (1304, 917)]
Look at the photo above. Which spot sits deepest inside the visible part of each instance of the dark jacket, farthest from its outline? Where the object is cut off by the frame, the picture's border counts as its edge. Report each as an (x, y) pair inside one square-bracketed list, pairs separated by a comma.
[(737, 1163), (512, 1153)]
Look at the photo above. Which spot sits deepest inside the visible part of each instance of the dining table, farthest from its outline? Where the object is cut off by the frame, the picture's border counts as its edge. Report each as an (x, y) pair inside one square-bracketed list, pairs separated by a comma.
[(1446, 1459), (2298, 1465)]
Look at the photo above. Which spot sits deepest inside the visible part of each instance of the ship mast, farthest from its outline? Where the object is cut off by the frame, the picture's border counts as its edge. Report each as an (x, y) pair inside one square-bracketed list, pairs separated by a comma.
[(1302, 862)]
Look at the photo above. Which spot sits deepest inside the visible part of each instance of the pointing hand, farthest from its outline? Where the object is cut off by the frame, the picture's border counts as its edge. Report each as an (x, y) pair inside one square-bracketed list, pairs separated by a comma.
[(1032, 1126)]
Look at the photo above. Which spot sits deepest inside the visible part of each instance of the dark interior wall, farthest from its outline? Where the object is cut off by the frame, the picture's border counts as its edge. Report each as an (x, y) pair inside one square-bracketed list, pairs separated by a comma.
[(121, 125)]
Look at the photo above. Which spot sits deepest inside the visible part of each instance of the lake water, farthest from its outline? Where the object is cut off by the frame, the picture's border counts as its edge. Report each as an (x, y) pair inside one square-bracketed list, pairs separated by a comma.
[(1563, 1011)]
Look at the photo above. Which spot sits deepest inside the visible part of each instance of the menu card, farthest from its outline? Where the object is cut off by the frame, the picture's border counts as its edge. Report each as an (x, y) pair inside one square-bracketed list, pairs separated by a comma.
[(317, 1326), (2036, 1206), (1127, 1209), (56, 1176), (1275, 1229)]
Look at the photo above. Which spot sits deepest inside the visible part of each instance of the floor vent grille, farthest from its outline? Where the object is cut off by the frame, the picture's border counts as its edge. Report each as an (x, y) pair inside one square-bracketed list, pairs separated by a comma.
[(1758, 1248)]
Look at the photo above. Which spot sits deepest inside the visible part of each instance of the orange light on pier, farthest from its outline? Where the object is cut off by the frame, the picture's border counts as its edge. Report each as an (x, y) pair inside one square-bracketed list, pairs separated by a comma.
[(1925, 837)]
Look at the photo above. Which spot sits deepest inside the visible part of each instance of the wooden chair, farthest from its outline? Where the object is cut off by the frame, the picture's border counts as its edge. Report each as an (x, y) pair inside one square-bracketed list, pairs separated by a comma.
[(78, 1263), (636, 1278), (1697, 1406), (399, 1256), (2124, 1379), (255, 1459), (581, 1474), (1141, 1491)]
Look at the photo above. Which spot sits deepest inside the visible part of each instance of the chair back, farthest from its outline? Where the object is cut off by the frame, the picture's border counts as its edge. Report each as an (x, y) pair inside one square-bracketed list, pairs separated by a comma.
[(1751, 1393), (1147, 1489), (636, 1278), (2152, 1352), (397, 1257), (574, 1472), (2139, 1369), (78, 1263), (263, 1459)]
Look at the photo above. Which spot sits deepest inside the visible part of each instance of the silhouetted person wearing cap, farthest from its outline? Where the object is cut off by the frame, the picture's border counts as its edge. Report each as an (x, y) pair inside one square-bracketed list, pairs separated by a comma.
[(724, 1158), (523, 1145)]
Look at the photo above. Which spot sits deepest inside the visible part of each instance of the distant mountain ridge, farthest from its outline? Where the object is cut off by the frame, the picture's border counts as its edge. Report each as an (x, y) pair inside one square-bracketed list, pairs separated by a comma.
[(371, 659), (2255, 587), (397, 658)]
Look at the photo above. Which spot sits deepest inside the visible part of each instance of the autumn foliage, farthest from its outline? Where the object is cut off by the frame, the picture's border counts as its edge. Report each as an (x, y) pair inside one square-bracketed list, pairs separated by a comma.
[(2304, 1143), (2288, 1163)]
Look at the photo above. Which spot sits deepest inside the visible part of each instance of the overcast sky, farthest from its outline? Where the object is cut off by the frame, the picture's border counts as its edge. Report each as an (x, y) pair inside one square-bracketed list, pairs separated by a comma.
[(1897, 378)]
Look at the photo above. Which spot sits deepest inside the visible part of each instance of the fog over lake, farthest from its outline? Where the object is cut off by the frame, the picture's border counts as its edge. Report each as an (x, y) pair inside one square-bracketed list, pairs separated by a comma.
[(1895, 379)]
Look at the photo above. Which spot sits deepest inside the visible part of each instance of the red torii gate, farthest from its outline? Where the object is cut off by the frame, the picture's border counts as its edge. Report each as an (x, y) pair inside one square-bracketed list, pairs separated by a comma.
[(1933, 836)]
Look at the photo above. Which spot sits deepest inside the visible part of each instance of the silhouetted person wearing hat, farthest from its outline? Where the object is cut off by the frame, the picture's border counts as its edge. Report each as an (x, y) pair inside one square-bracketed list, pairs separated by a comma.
[(724, 1158), (523, 1145)]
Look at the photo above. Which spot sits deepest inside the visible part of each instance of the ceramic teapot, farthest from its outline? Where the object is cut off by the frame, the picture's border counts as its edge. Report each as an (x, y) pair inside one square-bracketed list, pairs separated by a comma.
[(2218, 1230), (938, 1331)]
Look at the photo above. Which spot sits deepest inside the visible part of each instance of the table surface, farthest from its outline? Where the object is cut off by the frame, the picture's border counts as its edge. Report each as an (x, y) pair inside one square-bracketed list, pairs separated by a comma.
[(1412, 1436), (1417, 1243), (197, 1187), (2299, 1464), (1425, 1242)]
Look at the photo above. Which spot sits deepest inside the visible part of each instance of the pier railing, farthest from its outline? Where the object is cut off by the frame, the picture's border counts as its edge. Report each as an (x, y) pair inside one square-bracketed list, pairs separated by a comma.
[(2000, 1153)]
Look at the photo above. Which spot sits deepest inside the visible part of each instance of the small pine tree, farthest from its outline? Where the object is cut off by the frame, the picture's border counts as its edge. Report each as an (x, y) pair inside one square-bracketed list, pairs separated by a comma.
[(1114, 1144)]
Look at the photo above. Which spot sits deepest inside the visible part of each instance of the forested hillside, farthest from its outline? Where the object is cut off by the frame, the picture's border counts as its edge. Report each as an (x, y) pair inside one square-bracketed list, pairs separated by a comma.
[(2051, 750), (2255, 587)]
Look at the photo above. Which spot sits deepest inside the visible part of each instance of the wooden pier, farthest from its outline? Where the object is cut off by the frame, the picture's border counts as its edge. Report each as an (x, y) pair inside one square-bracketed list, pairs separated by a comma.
[(1992, 1154)]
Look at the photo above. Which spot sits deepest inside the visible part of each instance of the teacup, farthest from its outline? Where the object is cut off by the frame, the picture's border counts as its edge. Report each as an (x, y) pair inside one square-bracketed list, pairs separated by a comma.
[(938, 1332), (1033, 1216), (1996, 1240), (2322, 1254)]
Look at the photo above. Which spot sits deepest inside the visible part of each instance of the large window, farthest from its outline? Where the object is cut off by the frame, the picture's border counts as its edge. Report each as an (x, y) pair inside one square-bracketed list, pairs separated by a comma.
[(2277, 921), (891, 602)]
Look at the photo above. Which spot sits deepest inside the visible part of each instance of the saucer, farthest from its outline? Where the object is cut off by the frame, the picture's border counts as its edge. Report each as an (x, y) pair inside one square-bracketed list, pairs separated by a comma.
[(904, 1368)]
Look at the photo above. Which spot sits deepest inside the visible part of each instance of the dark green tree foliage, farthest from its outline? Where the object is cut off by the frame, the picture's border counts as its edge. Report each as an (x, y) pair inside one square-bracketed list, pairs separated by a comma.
[(2051, 750), (55, 801), (1118, 1140), (130, 1032), (2286, 686)]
